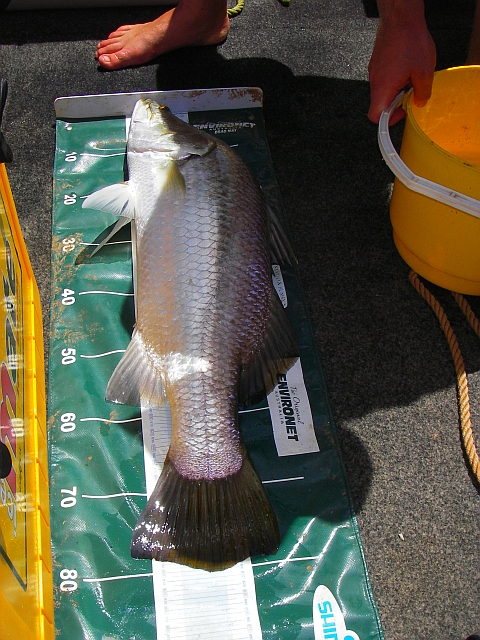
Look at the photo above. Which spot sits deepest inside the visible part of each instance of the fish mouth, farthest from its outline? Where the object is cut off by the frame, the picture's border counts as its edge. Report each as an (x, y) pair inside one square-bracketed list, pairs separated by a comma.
[(156, 129), (147, 110), (156, 135)]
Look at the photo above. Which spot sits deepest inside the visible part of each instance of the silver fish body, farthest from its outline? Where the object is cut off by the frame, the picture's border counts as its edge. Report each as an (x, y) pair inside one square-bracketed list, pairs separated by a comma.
[(209, 330)]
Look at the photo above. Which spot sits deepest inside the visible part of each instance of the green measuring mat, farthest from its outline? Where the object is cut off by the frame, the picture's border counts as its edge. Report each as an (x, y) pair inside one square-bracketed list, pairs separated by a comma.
[(316, 586)]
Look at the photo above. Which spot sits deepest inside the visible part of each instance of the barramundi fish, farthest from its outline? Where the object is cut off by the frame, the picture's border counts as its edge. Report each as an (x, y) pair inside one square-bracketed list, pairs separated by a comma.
[(210, 333)]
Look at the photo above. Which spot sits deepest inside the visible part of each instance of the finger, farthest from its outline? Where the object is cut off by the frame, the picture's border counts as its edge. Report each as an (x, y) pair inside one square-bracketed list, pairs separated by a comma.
[(396, 116), (422, 88), (379, 101)]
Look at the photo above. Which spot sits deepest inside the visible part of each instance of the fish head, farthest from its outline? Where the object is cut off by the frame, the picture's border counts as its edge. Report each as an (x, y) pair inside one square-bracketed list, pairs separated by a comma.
[(154, 128)]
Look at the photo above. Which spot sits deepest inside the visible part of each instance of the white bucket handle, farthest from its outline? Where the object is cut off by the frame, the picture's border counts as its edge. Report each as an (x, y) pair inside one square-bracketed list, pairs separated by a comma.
[(410, 179)]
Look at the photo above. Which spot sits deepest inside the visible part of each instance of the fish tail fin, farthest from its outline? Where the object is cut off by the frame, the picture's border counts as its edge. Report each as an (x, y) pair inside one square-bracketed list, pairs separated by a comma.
[(135, 380), (207, 524)]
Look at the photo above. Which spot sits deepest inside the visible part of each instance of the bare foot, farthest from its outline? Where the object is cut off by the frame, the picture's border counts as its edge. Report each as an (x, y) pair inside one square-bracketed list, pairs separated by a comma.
[(201, 23)]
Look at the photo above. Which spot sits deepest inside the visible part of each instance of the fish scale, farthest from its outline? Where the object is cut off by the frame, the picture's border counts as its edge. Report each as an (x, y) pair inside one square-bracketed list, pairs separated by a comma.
[(210, 429), (208, 325)]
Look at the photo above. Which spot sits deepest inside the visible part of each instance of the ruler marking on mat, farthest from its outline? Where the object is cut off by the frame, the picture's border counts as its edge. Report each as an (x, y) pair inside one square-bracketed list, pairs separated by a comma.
[(254, 410), (285, 560), (112, 578), (102, 155), (114, 495), (96, 244), (108, 421), (283, 480), (101, 355), (110, 293)]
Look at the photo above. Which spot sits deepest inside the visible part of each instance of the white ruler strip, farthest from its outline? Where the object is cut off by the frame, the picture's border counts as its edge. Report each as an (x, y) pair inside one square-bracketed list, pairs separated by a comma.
[(191, 603)]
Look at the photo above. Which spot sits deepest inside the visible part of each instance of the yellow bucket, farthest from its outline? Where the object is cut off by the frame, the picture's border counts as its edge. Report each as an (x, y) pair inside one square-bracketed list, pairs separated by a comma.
[(435, 205)]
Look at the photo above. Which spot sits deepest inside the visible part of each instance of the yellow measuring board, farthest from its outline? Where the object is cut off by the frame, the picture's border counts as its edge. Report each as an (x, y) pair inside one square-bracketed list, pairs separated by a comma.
[(26, 598)]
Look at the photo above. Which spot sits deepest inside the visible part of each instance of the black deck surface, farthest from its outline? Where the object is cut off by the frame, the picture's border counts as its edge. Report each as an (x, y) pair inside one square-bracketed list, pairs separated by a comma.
[(388, 368)]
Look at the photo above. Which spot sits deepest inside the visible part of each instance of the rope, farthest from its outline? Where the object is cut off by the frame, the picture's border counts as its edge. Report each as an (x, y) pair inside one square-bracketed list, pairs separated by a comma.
[(238, 8), (467, 312), (462, 383)]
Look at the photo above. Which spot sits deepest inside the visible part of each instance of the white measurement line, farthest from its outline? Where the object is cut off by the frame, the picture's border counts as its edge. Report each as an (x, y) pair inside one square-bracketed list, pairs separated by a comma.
[(114, 495), (102, 155), (283, 480), (106, 420), (101, 355), (285, 560), (135, 575), (95, 244), (109, 293), (253, 410)]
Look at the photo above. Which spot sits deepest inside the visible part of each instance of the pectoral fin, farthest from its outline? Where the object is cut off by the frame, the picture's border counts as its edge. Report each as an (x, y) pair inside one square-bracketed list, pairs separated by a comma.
[(170, 181), (118, 225), (116, 198)]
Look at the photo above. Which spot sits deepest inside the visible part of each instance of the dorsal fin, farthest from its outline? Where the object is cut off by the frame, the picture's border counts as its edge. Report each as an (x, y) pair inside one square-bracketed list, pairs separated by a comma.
[(280, 248), (279, 352)]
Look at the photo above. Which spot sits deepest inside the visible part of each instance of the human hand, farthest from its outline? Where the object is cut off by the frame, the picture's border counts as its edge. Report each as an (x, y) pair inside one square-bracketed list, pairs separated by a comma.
[(404, 55)]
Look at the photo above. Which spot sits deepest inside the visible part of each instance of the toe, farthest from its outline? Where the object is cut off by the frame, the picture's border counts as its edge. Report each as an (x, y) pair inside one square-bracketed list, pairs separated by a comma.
[(115, 60), (109, 43), (107, 61), (120, 31), (112, 47)]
